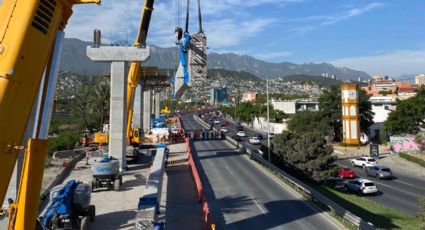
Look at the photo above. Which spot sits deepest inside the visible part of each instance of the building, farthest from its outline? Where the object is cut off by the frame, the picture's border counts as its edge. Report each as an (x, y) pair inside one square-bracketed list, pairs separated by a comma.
[(380, 84), (293, 107), (249, 96), (219, 96), (420, 80), (382, 106)]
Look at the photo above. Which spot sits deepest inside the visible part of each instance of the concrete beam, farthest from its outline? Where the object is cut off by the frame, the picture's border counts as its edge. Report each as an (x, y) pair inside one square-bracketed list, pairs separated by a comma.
[(118, 117), (117, 53), (147, 110)]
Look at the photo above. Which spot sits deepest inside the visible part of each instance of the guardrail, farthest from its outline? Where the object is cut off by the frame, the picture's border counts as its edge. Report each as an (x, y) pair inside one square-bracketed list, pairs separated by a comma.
[(148, 207), (299, 186)]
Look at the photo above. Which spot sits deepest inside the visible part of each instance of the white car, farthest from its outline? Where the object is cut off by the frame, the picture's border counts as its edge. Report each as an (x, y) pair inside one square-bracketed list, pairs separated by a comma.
[(364, 162), (254, 140), (224, 129), (240, 133), (216, 122), (360, 186)]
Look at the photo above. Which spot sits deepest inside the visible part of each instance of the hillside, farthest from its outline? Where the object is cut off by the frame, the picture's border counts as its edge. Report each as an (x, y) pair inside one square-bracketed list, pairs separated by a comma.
[(217, 74), (318, 80), (75, 60)]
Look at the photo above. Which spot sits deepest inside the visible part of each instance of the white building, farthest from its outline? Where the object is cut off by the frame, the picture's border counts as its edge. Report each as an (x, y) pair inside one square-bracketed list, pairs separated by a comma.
[(420, 79), (293, 107), (382, 106)]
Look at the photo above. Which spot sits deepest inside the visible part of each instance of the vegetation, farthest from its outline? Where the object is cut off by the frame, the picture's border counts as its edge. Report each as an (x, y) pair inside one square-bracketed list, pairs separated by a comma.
[(64, 141), (412, 159), (330, 107), (318, 80), (408, 118), (310, 121), (421, 215), (246, 111), (307, 152), (215, 74), (262, 98)]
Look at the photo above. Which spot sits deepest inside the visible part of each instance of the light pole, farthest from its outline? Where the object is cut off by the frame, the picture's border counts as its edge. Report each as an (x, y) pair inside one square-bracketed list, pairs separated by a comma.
[(268, 121)]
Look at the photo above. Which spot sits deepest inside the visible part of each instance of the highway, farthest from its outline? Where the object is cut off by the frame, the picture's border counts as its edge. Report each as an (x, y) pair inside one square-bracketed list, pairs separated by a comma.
[(401, 193), (242, 195)]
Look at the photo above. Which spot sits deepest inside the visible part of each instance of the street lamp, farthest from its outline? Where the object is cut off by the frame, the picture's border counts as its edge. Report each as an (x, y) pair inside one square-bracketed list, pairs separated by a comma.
[(268, 121)]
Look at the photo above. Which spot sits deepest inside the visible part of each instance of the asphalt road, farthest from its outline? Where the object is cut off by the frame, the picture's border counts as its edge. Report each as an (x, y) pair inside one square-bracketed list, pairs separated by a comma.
[(242, 195), (402, 192)]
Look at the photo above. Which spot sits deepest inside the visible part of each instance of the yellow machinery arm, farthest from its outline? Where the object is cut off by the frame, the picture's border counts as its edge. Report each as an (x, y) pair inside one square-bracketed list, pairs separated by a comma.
[(134, 70), (28, 30)]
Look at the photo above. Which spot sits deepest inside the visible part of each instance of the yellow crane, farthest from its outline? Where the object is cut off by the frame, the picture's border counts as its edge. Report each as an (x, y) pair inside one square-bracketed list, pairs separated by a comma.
[(134, 135), (29, 31)]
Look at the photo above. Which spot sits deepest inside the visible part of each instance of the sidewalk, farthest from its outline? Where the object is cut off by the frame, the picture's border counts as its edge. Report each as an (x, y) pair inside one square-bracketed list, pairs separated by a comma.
[(179, 204)]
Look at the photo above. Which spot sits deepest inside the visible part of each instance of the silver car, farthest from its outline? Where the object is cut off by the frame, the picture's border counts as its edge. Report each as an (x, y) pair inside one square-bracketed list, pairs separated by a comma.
[(380, 172)]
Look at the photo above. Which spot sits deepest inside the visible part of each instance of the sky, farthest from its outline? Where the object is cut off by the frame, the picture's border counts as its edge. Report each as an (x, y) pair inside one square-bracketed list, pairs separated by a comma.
[(379, 37)]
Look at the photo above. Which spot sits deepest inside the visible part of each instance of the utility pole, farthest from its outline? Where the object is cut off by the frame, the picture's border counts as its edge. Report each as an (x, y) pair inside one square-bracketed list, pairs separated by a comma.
[(268, 121)]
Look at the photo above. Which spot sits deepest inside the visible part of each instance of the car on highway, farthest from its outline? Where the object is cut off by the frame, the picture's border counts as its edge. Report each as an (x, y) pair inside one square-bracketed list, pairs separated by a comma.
[(346, 172), (364, 162), (239, 128), (254, 140), (224, 129), (379, 171), (259, 136), (237, 138), (240, 133), (216, 122), (360, 186)]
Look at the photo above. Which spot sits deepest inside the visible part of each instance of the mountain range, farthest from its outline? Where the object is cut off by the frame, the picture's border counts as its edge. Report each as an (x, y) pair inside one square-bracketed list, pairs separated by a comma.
[(75, 60)]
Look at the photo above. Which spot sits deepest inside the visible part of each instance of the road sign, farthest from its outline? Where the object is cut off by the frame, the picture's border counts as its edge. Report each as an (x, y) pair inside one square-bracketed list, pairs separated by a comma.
[(374, 150)]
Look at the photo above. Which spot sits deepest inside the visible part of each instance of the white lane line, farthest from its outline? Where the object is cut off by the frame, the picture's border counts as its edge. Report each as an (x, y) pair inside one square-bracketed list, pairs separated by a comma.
[(258, 205), (400, 190), (228, 169), (400, 181)]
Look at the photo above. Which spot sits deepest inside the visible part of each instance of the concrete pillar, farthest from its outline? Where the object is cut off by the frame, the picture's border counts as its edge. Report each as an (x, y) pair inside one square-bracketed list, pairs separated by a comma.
[(118, 119), (157, 104), (137, 108), (146, 110)]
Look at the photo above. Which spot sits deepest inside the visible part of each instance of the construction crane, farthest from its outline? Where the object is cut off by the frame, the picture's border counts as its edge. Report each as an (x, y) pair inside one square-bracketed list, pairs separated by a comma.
[(31, 35), (134, 136)]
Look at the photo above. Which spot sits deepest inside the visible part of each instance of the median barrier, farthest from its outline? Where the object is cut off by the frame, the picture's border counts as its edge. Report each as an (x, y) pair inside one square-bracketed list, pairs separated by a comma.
[(299, 186)]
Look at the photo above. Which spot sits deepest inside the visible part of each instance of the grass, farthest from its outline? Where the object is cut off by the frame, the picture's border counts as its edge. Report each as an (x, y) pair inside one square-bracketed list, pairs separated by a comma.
[(412, 159), (381, 216)]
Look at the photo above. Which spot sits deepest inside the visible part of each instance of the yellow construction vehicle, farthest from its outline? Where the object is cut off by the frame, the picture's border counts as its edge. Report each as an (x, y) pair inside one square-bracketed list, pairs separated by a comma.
[(166, 109), (31, 34)]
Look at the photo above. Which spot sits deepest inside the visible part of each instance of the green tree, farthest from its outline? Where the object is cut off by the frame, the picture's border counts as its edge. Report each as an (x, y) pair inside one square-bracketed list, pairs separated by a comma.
[(408, 118), (307, 152), (310, 122), (330, 106)]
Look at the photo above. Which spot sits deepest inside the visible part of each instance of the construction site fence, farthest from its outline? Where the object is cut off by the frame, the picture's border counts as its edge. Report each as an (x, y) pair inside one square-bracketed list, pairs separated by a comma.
[(206, 214), (335, 209)]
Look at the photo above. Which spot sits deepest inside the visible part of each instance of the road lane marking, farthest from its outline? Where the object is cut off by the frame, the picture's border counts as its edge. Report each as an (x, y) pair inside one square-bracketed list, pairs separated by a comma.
[(258, 205), (228, 169), (400, 181)]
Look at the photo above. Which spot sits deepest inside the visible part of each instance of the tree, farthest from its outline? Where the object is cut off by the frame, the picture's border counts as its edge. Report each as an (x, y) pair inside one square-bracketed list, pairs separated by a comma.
[(330, 106), (307, 152), (310, 122), (408, 118)]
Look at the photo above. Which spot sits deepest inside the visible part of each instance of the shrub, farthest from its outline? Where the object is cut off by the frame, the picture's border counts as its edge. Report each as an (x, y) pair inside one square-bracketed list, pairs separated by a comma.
[(64, 141)]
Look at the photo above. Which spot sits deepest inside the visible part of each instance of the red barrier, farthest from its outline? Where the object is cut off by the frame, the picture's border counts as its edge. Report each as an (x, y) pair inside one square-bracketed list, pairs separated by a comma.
[(206, 217)]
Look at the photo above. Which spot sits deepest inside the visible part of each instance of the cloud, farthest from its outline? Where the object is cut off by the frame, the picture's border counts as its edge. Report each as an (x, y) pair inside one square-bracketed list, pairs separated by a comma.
[(273, 55), (395, 63), (350, 11)]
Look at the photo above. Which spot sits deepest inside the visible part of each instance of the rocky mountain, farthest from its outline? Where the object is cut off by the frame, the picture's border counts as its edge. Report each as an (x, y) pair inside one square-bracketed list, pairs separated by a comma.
[(75, 60)]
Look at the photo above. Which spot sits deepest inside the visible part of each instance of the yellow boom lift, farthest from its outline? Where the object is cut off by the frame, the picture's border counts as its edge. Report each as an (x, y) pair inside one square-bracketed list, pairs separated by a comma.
[(30, 33), (135, 135)]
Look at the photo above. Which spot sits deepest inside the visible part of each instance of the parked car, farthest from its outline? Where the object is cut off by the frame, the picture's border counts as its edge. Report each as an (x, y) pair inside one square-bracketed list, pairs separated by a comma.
[(379, 171), (360, 186), (259, 136), (346, 172), (223, 129), (364, 162), (254, 140), (240, 133)]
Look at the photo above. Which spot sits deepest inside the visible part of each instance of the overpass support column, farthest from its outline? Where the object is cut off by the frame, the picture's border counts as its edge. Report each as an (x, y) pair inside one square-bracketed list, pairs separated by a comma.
[(147, 110), (138, 107), (157, 103)]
